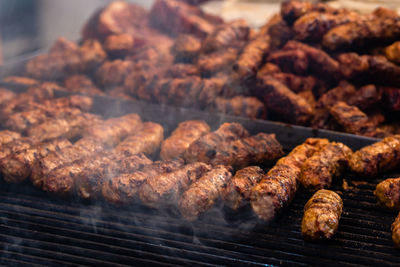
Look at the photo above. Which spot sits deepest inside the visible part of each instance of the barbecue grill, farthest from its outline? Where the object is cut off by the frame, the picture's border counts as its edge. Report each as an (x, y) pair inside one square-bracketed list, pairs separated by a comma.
[(38, 229)]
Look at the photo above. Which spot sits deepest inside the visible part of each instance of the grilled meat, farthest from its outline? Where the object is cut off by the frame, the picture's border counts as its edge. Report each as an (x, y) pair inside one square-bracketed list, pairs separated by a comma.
[(204, 192), (292, 10), (70, 127), (354, 120), (318, 170), (392, 52), (292, 61), (20, 81), (321, 215), (396, 232), (388, 194), (249, 107), (6, 95), (17, 167), (146, 140), (186, 48), (376, 158), (113, 73), (277, 188), (282, 101), (166, 189), (79, 83), (181, 138), (120, 45), (226, 35), (252, 57), (124, 188), (259, 149), (183, 70), (216, 61), (205, 147), (279, 31), (237, 193), (15, 145), (366, 97), (112, 131), (7, 136)]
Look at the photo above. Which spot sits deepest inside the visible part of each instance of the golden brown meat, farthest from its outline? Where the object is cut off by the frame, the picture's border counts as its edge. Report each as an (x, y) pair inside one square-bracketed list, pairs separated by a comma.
[(285, 103), (388, 194), (252, 56), (260, 149), (182, 70), (318, 170), (279, 31), (124, 188), (292, 61), (205, 148), (226, 35), (377, 158), (278, 187), (17, 166), (366, 97), (292, 10), (119, 45), (79, 83), (321, 217), (110, 132), (204, 192), (181, 138), (146, 140), (396, 232), (69, 127), (14, 146), (249, 107), (216, 61), (85, 147), (392, 52), (113, 73), (237, 193), (7, 136), (6, 95), (165, 189), (354, 120), (186, 48), (20, 81)]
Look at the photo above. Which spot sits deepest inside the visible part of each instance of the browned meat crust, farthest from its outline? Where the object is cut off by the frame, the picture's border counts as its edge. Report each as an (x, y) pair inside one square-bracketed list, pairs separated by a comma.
[(110, 132), (252, 57), (165, 189), (292, 61), (119, 45), (113, 73), (376, 158), (205, 148), (7, 136), (292, 10), (285, 103), (277, 188), (6, 96), (396, 232), (216, 61), (79, 83), (388, 194), (124, 188), (354, 120), (17, 166), (237, 192), (321, 215), (392, 52), (249, 107), (69, 127), (181, 138), (318, 170), (203, 193), (186, 48)]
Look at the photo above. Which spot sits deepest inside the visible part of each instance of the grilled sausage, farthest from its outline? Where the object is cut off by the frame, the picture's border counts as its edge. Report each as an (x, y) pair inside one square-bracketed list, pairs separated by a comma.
[(388, 194), (237, 192), (181, 138), (14, 146), (124, 188), (203, 193), (376, 158), (69, 127), (17, 167), (147, 140), (258, 149), (396, 231), (205, 148), (321, 215), (167, 188), (318, 170), (8, 136), (277, 189), (112, 131)]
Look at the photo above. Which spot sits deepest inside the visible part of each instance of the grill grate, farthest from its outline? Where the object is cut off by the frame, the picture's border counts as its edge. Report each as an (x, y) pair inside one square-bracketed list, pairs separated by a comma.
[(37, 230)]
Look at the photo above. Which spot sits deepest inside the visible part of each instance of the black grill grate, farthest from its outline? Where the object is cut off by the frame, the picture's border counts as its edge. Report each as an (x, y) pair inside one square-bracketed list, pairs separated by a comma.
[(37, 230)]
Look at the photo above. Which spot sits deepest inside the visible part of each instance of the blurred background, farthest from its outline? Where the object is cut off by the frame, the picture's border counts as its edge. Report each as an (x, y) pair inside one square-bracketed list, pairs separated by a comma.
[(27, 26)]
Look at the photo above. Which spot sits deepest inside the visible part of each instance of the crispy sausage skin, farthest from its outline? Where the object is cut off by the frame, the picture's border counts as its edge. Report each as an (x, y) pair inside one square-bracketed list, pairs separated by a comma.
[(318, 170), (237, 192), (16, 167), (396, 232), (8, 136), (181, 138), (321, 215), (147, 140), (167, 188), (277, 188), (203, 193), (388, 194), (376, 158), (124, 188)]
